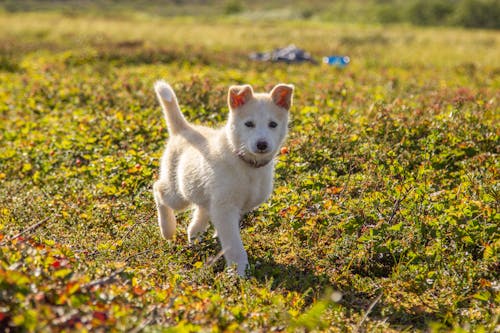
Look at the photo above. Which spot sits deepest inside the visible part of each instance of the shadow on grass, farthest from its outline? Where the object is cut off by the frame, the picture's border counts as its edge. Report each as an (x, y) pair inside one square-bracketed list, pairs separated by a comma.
[(289, 277), (384, 309), (314, 287)]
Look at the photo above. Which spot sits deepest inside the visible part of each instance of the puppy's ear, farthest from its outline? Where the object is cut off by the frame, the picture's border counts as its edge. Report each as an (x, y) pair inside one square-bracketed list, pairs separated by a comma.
[(282, 95), (239, 95)]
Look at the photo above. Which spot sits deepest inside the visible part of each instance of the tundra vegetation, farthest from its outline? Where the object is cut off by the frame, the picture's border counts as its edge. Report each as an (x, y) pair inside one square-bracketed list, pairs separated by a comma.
[(385, 214)]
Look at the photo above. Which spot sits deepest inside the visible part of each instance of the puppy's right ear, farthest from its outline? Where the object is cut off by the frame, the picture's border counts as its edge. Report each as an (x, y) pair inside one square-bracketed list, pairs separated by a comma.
[(239, 95)]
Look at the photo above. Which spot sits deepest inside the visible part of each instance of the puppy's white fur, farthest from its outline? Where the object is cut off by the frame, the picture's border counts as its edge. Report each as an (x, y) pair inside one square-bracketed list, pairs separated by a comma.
[(222, 173)]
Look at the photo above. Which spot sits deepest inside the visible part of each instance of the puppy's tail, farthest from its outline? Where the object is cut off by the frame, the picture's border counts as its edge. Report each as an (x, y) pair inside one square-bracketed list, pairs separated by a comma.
[(176, 122)]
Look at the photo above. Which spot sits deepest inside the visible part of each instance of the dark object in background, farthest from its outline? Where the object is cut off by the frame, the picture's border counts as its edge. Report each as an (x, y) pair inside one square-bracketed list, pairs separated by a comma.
[(289, 54)]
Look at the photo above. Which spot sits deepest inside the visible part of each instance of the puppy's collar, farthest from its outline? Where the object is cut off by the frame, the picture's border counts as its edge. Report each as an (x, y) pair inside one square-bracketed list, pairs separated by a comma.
[(253, 163)]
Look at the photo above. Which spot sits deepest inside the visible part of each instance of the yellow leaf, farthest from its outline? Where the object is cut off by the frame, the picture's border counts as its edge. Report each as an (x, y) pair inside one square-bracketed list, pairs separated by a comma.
[(27, 167), (62, 273), (488, 252), (36, 176), (467, 239)]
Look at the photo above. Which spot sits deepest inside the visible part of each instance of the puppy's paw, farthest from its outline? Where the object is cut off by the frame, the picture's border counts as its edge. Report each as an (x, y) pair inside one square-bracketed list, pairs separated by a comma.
[(164, 90)]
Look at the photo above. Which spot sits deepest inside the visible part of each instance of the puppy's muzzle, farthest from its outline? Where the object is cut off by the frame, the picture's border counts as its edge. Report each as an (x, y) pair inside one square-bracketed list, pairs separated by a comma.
[(262, 147)]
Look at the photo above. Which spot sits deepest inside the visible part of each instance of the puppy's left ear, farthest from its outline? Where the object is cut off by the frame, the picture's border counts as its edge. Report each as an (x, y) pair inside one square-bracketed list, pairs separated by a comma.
[(282, 95)]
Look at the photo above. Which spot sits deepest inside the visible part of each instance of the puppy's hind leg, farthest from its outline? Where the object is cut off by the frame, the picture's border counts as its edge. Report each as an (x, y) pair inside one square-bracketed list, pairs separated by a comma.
[(198, 224), (166, 217)]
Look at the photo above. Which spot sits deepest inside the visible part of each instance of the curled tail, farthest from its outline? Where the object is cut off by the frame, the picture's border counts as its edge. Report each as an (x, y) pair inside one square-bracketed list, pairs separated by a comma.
[(173, 116)]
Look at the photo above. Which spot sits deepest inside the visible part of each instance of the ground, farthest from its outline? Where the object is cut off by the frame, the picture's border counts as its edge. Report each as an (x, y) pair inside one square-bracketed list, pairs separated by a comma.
[(384, 215)]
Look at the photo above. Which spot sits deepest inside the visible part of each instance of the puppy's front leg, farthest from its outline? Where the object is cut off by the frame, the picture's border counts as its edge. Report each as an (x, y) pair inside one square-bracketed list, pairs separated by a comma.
[(226, 222)]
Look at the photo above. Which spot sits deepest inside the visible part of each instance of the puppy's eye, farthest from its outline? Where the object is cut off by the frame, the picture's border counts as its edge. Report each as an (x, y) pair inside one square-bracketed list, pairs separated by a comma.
[(273, 124), (250, 124)]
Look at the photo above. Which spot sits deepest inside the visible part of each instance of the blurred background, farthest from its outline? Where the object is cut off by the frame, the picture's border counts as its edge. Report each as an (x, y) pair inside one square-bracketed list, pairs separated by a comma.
[(464, 13)]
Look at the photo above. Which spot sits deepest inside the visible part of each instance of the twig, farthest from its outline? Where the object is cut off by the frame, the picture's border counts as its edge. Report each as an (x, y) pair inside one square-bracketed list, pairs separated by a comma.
[(133, 226), (103, 280), (136, 254), (433, 308), (65, 318), (370, 308), (27, 230), (142, 325), (395, 210), (340, 195), (145, 322), (211, 261), (397, 204)]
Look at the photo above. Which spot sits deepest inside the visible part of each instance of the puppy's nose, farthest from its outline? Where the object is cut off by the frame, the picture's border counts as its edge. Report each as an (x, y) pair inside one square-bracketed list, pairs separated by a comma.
[(262, 146)]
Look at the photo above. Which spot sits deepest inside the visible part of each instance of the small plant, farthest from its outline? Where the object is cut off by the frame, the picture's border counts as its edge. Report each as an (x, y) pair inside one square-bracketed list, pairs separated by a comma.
[(233, 7), (478, 14), (435, 12)]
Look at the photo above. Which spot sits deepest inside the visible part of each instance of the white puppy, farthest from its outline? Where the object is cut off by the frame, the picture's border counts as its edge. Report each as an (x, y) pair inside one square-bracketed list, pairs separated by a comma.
[(222, 173)]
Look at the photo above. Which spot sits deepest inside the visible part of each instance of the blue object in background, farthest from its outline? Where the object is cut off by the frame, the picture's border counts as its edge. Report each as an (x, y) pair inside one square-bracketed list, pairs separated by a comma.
[(338, 61)]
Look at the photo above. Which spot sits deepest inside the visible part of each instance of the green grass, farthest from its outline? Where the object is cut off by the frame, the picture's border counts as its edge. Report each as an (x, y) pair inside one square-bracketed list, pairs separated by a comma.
[(389, 192)]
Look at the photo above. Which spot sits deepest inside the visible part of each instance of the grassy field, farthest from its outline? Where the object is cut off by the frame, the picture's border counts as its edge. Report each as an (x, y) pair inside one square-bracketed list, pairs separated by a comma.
[(388, 193), (463, 13)]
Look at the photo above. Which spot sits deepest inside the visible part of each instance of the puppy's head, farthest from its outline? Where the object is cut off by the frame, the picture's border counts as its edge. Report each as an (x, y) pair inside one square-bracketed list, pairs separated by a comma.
[(258, 123)]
